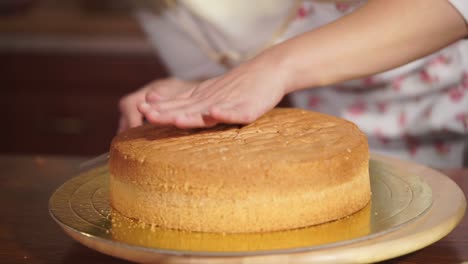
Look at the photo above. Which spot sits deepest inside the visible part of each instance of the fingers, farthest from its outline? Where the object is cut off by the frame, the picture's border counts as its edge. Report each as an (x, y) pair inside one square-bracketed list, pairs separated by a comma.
[(184, 114), (183, 98), (239, 97), (169, 88), (180, 112), (132, 112), (152, 97), (122, 125), (130, 116), (195, 111), (173, 104), (238, 114), (194, 121), (179, 119)]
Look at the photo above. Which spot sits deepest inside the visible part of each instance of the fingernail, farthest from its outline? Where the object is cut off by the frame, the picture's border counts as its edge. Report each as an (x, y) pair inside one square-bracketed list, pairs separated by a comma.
[(182, 117), (154, 114), (145, 106), (152, 96)]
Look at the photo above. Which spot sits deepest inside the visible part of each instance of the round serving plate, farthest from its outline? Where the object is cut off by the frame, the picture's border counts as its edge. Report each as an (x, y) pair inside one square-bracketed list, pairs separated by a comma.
[(412, 206)]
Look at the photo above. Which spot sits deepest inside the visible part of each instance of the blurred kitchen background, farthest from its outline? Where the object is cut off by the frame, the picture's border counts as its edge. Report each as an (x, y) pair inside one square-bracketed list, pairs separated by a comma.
[(64, 64)]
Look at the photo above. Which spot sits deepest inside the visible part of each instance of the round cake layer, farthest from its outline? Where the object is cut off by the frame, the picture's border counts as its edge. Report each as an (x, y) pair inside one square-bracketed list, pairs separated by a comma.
[(291, 168)]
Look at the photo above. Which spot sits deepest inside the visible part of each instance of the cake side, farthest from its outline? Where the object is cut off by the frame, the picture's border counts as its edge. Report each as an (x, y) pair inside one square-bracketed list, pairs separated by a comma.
[(255, 212)]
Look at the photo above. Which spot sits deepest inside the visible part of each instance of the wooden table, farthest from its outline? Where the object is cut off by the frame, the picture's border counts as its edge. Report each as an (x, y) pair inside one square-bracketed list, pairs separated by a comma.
[(29, 235)]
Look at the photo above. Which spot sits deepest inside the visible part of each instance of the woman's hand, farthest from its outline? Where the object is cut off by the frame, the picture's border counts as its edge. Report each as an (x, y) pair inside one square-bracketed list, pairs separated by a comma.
[(240, 96), (164, 88)]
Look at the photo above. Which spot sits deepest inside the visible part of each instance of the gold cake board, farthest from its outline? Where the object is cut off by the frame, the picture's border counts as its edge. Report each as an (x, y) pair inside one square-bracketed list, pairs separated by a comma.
[(412, 207)]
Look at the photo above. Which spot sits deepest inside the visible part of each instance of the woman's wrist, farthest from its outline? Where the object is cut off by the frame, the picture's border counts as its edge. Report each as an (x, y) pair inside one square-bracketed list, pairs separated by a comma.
[(285, 67)]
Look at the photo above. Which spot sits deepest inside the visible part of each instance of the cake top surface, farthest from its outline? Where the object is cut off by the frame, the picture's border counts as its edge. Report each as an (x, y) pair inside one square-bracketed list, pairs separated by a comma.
[(281, 135)]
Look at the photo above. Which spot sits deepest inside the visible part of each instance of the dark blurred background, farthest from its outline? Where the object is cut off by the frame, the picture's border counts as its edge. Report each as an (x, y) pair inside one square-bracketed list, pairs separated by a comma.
[(64, 64)]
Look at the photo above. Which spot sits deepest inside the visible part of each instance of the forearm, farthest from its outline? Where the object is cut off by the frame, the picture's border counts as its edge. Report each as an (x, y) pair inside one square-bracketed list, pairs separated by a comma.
[(379, 36)]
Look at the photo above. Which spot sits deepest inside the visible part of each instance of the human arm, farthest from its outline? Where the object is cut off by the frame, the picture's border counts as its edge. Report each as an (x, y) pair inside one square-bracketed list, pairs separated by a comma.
[(379, 36)]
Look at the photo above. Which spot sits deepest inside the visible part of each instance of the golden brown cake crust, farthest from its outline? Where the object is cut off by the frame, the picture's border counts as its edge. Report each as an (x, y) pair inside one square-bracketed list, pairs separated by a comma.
[(290, 168)]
